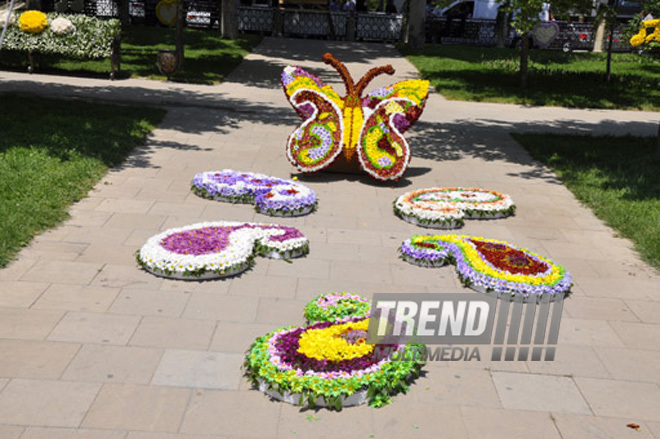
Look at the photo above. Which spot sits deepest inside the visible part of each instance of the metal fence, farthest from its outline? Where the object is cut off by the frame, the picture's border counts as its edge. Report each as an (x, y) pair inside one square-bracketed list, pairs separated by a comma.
[(300, 22), (462, 31), (372, 26), (378, 27), (572, 36), (254, 19)]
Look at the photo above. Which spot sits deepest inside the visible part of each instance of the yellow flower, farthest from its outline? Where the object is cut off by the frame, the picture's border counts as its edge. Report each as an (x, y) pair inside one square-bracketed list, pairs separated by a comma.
[(328, 343), (473, 257), (33, 22), (643, 36), (637, 40)]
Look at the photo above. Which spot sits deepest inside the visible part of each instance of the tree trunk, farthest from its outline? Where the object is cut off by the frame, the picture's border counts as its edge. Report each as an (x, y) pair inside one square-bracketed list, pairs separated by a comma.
[(404, 21), (229, 19), (524, 60), (123, 13), (180, 17), (216, 15), (413, 32), (599, 37), (501, 27), (608, 68), (331, 25), (657, 143), (34, 5)]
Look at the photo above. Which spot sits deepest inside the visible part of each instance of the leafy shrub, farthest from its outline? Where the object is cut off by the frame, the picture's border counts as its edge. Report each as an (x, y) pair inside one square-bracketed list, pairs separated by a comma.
[(92, 37)]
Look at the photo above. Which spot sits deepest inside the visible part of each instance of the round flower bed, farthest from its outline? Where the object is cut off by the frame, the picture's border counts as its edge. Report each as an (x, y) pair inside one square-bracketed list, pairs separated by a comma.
[(445, 208), (218, 249), (33, 22), (327, 364), (335, 306), (270, 196), (490, 266)]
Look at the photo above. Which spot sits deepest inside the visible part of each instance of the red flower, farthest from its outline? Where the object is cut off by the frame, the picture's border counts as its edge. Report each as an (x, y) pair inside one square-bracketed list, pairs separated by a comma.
[(509, 259)]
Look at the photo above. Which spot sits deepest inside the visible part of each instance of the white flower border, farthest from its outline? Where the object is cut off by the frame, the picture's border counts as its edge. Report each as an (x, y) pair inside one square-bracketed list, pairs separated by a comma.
[(237, 257), (358, 398), (431, 220)]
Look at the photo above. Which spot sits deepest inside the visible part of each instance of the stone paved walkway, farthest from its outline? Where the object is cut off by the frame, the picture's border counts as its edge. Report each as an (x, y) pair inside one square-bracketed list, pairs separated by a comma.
[(92, 347)]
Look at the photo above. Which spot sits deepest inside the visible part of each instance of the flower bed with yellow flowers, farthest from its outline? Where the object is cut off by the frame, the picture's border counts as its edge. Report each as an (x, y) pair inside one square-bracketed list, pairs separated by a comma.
[(328, 364), (73, 35), (649, 32), (489, 265), (33, 22)]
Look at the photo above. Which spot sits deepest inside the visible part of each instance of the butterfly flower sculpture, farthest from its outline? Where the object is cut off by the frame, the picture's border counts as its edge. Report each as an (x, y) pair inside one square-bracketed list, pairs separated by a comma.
[(366, 129)]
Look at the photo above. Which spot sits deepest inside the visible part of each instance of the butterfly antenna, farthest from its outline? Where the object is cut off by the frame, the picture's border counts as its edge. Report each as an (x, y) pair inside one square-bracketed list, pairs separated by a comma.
[(371, 74), (330, 59)]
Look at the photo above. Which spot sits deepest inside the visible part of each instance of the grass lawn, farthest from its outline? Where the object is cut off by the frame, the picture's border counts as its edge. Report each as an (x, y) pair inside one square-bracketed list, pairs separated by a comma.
[(52, 153), (617, 177), (471, 73), (208, 57)]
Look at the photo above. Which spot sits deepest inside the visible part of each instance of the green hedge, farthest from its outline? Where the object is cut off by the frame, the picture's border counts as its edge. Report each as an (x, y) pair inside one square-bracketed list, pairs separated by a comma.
[(92, 38)]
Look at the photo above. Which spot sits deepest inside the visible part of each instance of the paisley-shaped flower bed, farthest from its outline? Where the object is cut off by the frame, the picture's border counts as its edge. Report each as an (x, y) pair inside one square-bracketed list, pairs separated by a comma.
[(334, 306), (328, 364), (270, 196), (445, 208), (217, 249), (488, 265)]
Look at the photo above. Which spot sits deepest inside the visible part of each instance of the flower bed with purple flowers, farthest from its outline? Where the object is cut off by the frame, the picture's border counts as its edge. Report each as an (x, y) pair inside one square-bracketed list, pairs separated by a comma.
[(218, 249), (490, 266), (270, 196), (328, 364), (426, 253)]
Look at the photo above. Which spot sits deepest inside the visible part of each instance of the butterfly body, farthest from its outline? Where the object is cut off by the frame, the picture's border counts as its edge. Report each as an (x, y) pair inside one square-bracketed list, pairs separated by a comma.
[(367, 129)]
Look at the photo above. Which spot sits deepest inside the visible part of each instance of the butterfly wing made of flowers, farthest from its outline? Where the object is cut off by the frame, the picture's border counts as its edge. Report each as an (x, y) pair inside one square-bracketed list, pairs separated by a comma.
[(317, 142), (389, 112)]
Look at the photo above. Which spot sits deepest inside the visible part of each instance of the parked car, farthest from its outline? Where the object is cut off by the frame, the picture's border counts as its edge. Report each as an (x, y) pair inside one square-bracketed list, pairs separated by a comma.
[(478, 9)]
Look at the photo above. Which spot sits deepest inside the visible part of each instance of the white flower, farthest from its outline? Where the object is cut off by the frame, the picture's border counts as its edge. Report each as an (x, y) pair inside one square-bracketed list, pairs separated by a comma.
[(3, 18), (62, 26)]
